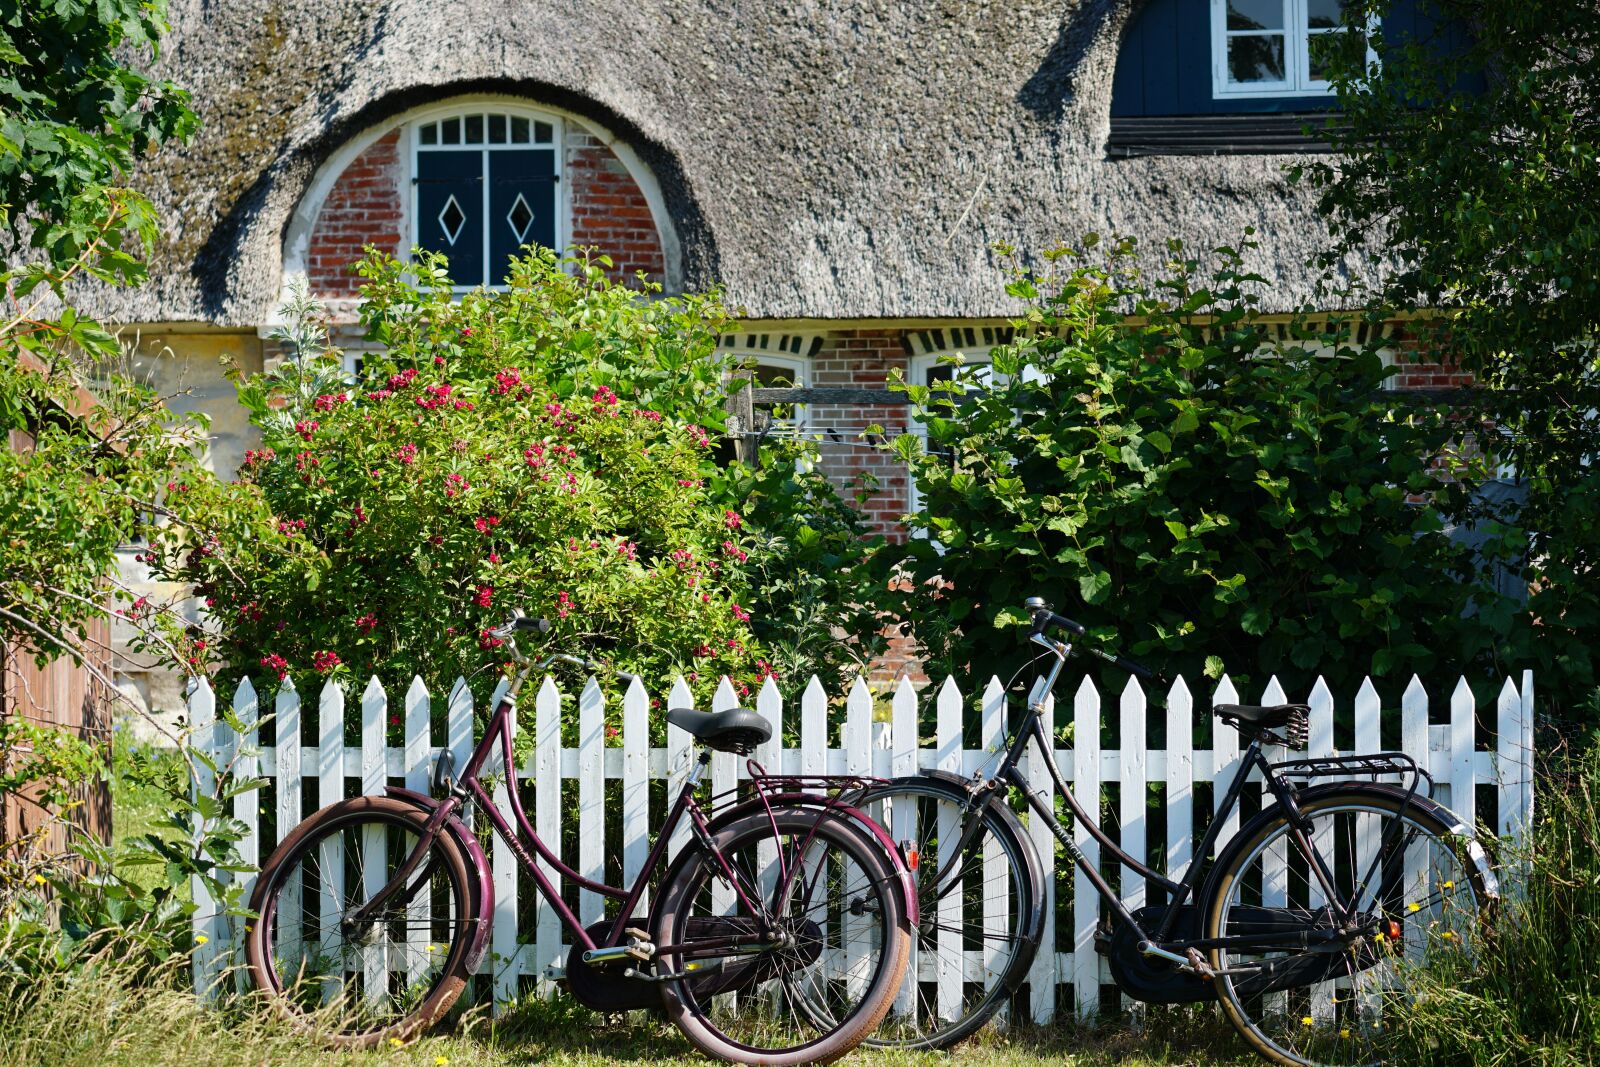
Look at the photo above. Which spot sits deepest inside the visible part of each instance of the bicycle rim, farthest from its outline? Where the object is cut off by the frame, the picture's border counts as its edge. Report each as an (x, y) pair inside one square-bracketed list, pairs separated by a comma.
[(1418, 908), (816, 997), (975, 903), (357, 985)]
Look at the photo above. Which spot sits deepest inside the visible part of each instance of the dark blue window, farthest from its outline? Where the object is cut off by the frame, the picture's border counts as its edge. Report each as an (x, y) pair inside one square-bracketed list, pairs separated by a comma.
[(486, 185)]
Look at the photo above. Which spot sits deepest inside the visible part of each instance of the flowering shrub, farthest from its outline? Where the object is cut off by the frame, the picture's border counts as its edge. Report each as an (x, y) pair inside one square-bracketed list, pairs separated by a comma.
[(545, 447)]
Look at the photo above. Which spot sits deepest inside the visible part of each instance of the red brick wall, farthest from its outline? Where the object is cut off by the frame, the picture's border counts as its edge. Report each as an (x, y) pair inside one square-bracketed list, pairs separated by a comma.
[(863, 358), (367, 206), (609, 209), (362, 208)]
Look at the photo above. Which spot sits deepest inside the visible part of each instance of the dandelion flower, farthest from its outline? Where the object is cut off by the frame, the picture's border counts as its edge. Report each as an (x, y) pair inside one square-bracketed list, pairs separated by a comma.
[(1306, 1021), (441, 1061), (1447, 885), (395, 1042), (1345, 1034), (1413, 907), (1447, 935), (41, 879), (201, 939)]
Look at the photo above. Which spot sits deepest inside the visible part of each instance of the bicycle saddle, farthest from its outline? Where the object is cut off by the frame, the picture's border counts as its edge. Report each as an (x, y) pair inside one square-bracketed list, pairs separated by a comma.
[(735, 730), (1255, 720)]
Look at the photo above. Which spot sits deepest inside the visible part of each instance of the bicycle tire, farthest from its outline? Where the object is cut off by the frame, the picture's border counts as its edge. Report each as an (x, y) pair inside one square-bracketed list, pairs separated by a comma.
[(432, 978), (1008, 889), (1336, 1019), (861, 916)]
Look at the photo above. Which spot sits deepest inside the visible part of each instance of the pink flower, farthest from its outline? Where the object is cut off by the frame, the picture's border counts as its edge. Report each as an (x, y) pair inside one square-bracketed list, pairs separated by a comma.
[(438, 361), (605, 400), (740, 614), (456, 483), (507, 380), (324, 662), (733, 551), (494, 557), (367, 623), (466, 331), (275, 662), (306, 427), (486, 523), (290, 527), (698, 435), (628, 550), (485, 596), (252, 457), (403, 379), (486, 640), (406, 454), (645, 413), (329, 401), (702, 651), (394, 720), (572, 484), (380, 394), (731, 520), (563, 605), (466, 405), (764, 670)]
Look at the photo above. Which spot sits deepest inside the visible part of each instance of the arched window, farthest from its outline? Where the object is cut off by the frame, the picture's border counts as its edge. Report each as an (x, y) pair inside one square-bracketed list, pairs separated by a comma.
[(486, 181)]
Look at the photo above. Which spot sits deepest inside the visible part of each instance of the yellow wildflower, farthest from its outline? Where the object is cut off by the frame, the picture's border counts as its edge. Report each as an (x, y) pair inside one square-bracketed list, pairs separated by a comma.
[(1345, 1034), (441, 1061), (395, 1042), (201, 939), (1413, 907), (41, 879), (1306, 1021)]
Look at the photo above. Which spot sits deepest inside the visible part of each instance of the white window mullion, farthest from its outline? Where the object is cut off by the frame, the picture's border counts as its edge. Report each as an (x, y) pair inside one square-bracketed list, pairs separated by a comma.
[(483, 155)]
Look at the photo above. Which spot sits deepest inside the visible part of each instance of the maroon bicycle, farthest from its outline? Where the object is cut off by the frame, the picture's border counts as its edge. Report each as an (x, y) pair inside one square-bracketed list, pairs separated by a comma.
[(778, 935)]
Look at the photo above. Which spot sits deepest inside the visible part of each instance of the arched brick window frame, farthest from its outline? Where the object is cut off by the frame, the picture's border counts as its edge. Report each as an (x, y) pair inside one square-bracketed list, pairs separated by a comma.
[(362, 193)]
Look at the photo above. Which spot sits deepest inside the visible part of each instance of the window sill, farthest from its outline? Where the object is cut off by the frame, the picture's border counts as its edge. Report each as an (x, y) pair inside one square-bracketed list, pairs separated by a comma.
[(1220, 135)]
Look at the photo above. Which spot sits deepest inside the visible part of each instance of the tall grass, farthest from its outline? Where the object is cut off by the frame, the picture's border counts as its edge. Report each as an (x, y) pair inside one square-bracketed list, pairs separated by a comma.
[(1531, 991)]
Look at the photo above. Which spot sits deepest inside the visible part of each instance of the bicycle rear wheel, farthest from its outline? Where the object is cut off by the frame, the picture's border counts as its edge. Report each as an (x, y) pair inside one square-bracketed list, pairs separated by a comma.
[(834, 903), (1331, 996), (357, 986), (980, 902)]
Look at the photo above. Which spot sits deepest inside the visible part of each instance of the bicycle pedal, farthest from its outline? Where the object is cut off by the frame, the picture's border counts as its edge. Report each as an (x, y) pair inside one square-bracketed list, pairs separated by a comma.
[(634, 931), (642, 949)]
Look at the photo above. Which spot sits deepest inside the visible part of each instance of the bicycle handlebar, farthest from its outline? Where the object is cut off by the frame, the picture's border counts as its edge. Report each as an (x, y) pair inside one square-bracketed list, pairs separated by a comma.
[(1043, 618), (518, 621)]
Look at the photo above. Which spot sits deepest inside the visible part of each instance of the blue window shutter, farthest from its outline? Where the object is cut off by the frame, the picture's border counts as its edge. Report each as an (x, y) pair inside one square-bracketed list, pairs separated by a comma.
[(447, 183), (522, 203)]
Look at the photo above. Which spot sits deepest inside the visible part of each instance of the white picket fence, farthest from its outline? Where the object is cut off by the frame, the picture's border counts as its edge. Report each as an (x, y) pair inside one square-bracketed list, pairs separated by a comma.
[(871, 743)]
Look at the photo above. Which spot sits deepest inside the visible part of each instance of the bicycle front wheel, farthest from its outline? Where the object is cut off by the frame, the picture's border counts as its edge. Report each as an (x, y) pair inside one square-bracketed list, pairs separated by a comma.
[(980, 902), (800, 951), (360, 984), (1331, 991)]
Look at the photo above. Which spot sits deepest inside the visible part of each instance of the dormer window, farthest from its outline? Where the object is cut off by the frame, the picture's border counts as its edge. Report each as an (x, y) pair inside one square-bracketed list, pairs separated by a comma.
[(1264, 48), (486, 184)]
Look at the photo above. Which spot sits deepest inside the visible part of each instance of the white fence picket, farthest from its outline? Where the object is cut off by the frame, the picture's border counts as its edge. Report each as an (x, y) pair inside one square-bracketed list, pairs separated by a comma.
[(865, 746)]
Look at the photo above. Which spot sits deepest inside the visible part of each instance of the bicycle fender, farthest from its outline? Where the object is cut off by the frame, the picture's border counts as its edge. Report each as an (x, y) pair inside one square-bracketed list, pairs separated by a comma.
[(855, 815), (1034, 931), (1475, 850), (482, 890)]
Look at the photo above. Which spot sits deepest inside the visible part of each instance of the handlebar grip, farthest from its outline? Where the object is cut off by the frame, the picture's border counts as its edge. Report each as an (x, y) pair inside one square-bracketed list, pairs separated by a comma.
[(1144, 673), (540, 625)]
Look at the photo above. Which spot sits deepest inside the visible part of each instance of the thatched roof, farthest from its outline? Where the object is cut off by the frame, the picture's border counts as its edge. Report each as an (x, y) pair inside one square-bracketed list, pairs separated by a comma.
[(850, 159)]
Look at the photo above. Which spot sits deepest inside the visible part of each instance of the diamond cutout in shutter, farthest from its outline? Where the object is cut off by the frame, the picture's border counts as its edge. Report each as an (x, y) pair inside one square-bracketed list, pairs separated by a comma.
[(520, 219), (451, 219)]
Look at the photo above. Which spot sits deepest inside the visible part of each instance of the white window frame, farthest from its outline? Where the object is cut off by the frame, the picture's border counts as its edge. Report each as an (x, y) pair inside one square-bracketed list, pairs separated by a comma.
[(511, 110), (797, 367), (1297, 35)]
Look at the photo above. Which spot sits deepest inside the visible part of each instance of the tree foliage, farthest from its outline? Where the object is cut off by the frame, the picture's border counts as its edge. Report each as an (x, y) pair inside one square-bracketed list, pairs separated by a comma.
[(1468, 178), (75, 113), (1146, 456)]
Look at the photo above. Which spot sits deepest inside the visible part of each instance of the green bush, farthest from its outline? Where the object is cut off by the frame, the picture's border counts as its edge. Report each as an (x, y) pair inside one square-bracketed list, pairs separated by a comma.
[(1152, 460), (553, 446)]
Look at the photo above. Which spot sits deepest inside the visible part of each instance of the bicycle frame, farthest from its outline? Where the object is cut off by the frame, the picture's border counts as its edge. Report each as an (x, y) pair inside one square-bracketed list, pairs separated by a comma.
[(469, 788), (1032, 731)]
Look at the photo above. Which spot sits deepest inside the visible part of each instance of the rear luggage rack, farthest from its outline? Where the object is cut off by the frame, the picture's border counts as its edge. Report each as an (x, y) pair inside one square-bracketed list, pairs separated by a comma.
[(1374, 766)]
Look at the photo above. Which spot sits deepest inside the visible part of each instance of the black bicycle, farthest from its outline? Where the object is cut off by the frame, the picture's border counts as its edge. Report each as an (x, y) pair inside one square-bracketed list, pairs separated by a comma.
[(1305, 927)]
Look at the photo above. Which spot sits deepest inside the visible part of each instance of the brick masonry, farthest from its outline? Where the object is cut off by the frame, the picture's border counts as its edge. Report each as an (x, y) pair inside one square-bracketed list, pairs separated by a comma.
[(367, 206)]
